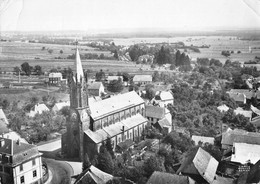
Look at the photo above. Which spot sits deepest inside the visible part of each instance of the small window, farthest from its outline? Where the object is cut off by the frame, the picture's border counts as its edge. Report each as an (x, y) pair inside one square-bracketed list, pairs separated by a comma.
[(34, 173), (22, 179), (21, 167), (33, 162)]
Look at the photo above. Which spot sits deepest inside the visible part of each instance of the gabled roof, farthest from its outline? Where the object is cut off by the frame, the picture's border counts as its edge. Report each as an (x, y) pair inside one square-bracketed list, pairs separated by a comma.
[(94, 176), (58, 106), (163, 95), (247, 114), (114, 104), (165, 178), (244, 152), (95, 85), (223, 108), (202, 163), (115, 129), (154, 111), (240, 136), (143, 78), (164, 122), (20, 151), (202, 139), (248, 93), (238, 97)]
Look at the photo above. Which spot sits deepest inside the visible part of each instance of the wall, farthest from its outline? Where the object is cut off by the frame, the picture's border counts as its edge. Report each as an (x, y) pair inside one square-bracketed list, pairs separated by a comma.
[(27, 172)]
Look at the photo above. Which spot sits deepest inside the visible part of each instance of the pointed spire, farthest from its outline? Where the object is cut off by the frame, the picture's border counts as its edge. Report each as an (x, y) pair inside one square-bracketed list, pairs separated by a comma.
[(78, 65)]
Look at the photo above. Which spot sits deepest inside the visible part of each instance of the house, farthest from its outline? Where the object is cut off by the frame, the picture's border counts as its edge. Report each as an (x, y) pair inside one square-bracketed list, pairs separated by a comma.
[(163, 98), (223, 108), (239, 136), (247, 114), (155, 114), (142, 79), (111, 78), (96, 89), (163, 125), (118, 118), (56, 79), (202, 139), (164, 178), (58, 106), (94, 176), (247, 92), (240, 98), (37, 109), (243, 153), (20, 162), (200, 166)]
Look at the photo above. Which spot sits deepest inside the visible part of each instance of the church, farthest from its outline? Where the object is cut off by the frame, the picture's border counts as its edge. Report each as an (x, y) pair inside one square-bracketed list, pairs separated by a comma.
[(120, 118)]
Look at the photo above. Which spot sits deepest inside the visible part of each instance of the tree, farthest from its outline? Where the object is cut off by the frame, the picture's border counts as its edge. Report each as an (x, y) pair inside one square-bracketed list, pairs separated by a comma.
[(115, 86), (150, 91), (38, 69), (109, 147), (50, 51), (17, 70), (105, 162), (150, 165), (133, 87), (61, 51), (26, 68), (86, 163), (100, 76)]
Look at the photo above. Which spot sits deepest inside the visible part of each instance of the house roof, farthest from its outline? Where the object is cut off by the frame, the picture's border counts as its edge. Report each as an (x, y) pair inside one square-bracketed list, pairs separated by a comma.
[(255, 110), (248, 93), (163, 95), (93, 175), (95, 85), (164, 178), (164, 122), (202, 139), (97, 136), (40, 107), (154, 111), (20, 151), (110, 78), (3, 122), (223, 108), (14, 136), (143, 78), (114, 104), (60, 105), (247, 114), (201, 163), (55, 75), (240, 136), (238, 97), (115, 129), (244, 152)]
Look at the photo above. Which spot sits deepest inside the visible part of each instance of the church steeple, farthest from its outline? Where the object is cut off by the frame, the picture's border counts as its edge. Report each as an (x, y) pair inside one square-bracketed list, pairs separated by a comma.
[(78, 86), (78, 66)]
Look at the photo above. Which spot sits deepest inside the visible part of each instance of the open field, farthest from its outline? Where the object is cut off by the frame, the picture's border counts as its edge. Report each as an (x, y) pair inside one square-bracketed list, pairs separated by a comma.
[(217, 43)]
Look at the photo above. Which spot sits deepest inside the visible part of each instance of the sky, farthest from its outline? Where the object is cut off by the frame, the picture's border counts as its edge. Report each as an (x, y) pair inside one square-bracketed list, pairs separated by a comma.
[(86, 15)]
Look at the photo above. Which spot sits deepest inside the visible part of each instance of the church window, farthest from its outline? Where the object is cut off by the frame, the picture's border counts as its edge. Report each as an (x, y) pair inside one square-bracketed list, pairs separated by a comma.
[(122, 115), (116, 117)]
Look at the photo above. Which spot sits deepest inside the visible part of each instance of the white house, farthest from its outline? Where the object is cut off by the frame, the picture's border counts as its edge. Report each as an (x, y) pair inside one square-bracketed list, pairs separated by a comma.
[(58, 106), (163, 98), (142, 79), (202, 139), (38, 108), (20, 163), (56, 78), (96, 89)]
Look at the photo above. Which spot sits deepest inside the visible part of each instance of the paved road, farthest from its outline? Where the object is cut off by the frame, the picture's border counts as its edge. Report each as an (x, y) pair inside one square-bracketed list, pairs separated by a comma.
[(61, 171), (51, 146)]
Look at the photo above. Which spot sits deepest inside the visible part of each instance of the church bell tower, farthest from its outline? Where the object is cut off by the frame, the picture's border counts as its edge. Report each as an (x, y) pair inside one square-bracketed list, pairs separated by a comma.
[(78, 120)]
